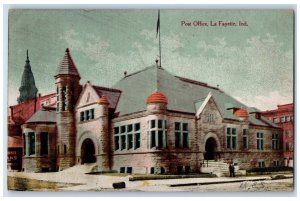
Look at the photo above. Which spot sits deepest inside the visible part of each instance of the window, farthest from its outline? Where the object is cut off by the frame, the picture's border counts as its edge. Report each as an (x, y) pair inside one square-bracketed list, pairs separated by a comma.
[(288, 133), (92, 113), (245, 139), (122, 169), (288, 146), (130, 141), (275, 141), (57, 98), (177, 139), (162, 170), (282, 119), (64, 98), (187, 169), (276, 163), (65, 149), (137, 127), (123, 142), (87, 114), (24, 144), (275, 120), (44, 143), (179, 169), (123, 129), (81, 116), (287, 118), (231, 138), (261, 164), (57, 93), (129, 170), (127, 137), (260, 141), (117, 146), (137, 143), (157, 133), (31, 143), (152, 170), (210, 117), (181, 135)]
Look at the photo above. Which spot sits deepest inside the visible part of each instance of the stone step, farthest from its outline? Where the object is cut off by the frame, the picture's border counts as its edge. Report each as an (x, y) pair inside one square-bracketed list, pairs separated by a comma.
[(84, 168)]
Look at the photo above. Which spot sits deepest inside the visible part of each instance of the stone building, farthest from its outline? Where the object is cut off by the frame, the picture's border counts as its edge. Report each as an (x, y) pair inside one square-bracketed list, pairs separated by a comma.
[(283, 116), (149, 122)]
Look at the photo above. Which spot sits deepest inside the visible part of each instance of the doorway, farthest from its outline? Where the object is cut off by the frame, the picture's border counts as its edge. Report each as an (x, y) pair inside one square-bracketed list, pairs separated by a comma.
[(88, 151)]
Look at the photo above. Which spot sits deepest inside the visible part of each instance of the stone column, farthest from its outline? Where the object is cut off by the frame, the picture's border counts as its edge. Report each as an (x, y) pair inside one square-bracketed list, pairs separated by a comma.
[(38, 143), (27, 143)]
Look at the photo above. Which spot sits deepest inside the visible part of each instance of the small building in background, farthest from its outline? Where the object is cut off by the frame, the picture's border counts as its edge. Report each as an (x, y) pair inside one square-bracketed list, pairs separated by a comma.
[(283, 116)]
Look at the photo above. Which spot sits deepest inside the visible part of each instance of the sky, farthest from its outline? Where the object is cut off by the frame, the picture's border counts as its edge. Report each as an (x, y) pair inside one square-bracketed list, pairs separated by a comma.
[(253, 63)]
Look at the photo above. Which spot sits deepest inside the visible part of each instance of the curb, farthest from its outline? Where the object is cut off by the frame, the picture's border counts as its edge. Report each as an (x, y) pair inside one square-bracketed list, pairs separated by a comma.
[(217, 182)]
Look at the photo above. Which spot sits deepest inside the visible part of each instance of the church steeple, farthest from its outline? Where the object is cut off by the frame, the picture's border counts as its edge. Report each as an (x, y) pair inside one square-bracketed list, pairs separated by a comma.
[(27, 89)]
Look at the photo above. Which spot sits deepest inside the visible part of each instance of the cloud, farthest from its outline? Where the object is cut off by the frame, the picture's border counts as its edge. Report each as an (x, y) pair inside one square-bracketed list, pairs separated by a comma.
[(258, 72), (268, 101)]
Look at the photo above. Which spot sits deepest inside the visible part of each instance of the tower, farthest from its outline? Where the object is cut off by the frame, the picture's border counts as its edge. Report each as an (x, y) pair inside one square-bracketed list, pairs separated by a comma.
[(27, 89), (104, 157), (67, 88)]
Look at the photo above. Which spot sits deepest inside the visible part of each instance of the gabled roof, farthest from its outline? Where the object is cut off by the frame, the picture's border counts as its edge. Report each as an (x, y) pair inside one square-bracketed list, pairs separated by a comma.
[(111, 94), (200, 104), (44, 115), (182, 93), (67, 65)]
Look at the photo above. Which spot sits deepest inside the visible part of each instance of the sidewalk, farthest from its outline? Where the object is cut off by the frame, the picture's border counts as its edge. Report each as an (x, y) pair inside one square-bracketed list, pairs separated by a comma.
[(99, 182)]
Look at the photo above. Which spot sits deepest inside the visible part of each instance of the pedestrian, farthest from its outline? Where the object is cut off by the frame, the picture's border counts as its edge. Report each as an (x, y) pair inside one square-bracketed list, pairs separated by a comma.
[(231, 170), (233, 173)]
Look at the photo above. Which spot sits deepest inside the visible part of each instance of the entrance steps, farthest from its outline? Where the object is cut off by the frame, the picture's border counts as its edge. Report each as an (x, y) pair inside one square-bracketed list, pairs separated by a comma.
[(220, 168), (82, 168)]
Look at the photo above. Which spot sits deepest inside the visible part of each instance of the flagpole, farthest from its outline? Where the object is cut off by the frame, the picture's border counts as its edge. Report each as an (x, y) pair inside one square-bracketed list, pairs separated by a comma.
[(159, 40)]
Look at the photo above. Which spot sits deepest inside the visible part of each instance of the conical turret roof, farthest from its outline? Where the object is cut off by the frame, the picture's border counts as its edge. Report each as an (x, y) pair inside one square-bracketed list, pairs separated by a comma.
[(67, 65)]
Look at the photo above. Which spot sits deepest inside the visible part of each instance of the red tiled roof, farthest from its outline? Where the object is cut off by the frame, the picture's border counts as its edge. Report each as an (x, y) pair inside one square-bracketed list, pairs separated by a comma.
[(157, 97), (67, 65), (241, 113), (20, 113), (103, 100)]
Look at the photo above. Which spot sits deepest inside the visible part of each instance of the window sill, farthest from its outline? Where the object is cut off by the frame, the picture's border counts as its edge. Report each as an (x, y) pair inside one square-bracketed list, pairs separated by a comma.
[(86, 121)]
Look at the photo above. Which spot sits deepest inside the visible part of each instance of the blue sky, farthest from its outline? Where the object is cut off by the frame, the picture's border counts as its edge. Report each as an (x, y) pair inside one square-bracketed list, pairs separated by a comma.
[(253, 64)]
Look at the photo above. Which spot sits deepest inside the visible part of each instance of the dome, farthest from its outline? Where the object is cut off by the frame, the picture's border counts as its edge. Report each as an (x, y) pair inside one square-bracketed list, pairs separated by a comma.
[(241, 113), (157, 97), (103, 101)]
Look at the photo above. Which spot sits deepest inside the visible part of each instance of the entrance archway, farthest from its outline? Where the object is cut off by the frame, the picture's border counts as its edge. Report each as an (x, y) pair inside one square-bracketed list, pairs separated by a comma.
[(88, 151), (210, 149)]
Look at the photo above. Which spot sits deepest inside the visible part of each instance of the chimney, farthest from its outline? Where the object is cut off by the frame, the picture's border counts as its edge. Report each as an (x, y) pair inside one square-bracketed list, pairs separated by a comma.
[(125, 73)]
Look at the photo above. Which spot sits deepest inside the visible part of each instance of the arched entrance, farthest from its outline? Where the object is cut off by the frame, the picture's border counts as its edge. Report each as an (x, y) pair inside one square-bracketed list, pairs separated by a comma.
[(88, 151), (210, 149)]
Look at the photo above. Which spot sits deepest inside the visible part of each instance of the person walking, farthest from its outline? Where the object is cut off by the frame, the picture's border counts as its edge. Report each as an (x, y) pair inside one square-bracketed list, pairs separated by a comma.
[(231, 170)]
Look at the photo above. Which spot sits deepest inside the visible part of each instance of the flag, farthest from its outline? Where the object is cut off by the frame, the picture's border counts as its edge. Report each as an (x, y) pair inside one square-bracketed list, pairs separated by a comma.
[(158, 24)]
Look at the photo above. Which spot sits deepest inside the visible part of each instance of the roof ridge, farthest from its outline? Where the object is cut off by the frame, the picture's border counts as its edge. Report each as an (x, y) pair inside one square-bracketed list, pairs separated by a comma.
[(144, 69), (184, 79), (106, 88)]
